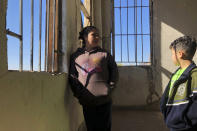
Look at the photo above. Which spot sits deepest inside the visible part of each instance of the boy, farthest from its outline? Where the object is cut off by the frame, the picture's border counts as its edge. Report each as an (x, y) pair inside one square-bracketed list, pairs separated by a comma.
[(179, 101)]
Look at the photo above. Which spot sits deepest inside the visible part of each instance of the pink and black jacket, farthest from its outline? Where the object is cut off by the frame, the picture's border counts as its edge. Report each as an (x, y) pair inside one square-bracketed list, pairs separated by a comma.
[(90, 75)]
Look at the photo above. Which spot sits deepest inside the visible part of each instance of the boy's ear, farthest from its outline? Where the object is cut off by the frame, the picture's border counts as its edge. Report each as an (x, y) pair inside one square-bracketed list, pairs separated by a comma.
[(181, 54)]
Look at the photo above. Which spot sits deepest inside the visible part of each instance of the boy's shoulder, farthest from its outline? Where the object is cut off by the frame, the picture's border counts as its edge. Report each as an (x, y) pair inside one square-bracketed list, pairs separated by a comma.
[(194, 72)]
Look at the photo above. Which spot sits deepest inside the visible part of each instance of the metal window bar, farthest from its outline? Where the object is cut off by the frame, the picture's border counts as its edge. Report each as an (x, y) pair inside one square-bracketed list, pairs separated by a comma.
[(53, 43), (40, 34), (134, 29), (135, 34), (127, 31), (50, 37), (113, 31), (8, 32), (32, 35), (47, 35), (151, 29), (142, 33), (21, 33), (120, 32)]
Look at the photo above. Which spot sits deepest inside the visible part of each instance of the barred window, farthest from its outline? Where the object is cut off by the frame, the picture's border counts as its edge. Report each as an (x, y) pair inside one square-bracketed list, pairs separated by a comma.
[(33, 31), (131, 32)]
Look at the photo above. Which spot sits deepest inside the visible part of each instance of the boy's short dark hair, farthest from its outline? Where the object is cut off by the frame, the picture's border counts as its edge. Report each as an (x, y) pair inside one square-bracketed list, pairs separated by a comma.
[(187, 44)]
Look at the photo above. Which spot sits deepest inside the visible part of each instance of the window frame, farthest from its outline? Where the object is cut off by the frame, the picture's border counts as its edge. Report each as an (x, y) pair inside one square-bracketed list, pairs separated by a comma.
[(53, 53), (136, 62)]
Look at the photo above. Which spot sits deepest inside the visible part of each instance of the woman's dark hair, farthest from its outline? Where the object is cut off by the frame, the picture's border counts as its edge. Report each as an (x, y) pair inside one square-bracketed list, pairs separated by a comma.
[(84, 33)]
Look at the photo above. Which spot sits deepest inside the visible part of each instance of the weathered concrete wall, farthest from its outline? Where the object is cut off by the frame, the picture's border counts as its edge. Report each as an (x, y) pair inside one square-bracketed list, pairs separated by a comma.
[(3, 40), (97, 14), (133, 86), (38, 101), (172, 19), (71, 23), (33, 101), (106, 7)]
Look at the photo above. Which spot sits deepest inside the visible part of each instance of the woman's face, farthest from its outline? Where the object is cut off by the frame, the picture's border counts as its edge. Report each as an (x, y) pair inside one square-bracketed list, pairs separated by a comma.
[(92, 40)]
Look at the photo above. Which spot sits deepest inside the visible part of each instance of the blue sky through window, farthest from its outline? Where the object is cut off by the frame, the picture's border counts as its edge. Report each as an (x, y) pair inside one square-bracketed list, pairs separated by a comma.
[(13, 25), (127, 25), (82, 15)]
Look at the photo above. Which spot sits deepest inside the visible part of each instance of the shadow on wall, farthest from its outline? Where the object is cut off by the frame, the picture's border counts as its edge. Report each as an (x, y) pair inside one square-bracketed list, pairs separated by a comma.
[(153, 96), (166, 72), (180, 15)]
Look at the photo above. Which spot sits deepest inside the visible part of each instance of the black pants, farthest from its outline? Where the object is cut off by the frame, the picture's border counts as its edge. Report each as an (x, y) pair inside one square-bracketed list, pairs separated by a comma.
[(98, 118)]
